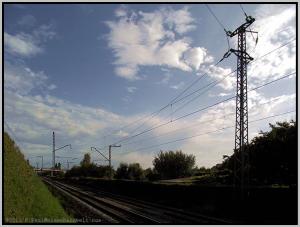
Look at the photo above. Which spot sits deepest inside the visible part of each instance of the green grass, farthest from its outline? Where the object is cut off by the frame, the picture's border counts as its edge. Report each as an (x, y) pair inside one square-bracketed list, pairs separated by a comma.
[(26, 198)]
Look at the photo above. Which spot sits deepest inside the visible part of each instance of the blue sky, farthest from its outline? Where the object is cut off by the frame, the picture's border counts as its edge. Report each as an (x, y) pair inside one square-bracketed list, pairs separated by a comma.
[(82, 70)]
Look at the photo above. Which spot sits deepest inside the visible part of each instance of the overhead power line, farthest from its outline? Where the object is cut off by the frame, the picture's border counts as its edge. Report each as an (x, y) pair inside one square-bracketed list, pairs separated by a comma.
[(217, 130), (198, 123), (243, 10), (155, 113), (173, 101), (199, 110), (219, 22), (232, 97), (216, 82)]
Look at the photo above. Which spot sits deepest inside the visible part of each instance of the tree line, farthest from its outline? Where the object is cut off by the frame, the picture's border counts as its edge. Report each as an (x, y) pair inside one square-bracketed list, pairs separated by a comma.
[(272, 160), (166, 165)]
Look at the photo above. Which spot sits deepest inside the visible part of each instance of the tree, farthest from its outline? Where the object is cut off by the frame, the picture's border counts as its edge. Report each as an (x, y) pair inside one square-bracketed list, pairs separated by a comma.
[(151, 175), (86, 161), (132, 171), (57, 165), (135, 171), (172, 164), (273, 156), (90, 171), (122, 171)]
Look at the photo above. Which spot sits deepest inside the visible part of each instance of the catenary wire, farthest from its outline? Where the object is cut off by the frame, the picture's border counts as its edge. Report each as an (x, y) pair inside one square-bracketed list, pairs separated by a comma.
[(199, 110), (220, 129), (198, 123)]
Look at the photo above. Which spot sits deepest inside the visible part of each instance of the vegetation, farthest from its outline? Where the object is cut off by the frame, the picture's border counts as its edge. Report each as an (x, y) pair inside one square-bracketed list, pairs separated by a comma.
[(132, 171), (273, 160), (89, 169), (86, 161), (173, 164), (272, 156), (26, 198), (58, 165)]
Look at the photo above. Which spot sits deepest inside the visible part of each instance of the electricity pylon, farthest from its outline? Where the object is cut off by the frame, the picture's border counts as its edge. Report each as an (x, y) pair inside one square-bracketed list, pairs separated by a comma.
[(241, 159)]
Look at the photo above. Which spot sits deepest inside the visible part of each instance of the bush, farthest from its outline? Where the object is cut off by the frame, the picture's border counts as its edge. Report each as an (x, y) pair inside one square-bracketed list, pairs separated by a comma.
[(170, 164), (151, 175), (90, 171), (131, 172), (122, 171), (135, 172)]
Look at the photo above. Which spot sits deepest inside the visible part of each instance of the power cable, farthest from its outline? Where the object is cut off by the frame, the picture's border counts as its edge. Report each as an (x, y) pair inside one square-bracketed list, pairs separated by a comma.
[(220, 129), (198, 123), (216, 82), (220, 23), (130, 137), (200, 110)]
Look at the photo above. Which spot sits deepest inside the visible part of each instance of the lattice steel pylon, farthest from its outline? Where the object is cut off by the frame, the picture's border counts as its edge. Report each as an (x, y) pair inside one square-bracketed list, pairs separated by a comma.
[(241, 168)]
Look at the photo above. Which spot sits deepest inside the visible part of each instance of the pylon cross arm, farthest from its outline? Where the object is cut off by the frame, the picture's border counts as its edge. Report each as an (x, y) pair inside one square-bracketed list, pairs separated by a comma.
[(241, 54)]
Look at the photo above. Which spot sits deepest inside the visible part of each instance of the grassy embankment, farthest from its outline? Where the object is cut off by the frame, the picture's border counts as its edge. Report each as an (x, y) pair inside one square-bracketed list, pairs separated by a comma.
[(26, 198)]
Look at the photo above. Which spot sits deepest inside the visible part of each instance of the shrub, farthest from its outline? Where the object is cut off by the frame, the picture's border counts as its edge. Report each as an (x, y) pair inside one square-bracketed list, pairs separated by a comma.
[(172, 164)]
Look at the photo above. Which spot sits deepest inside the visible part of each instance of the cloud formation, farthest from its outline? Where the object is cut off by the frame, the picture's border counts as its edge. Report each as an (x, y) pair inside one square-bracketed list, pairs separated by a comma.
[(21, 44), (28, 45), (276, 26), (21, 79), (145, 39), (153, 38), (131, 89)]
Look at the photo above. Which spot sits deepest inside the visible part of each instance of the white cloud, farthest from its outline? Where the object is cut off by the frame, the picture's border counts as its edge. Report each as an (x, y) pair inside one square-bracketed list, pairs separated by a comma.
[(153, 38), (195, 57), (52, 87), (28, 45), (44, 33), (220, 74), (276, 26), (20, 44), (181, 20), (121, 11), (33, 118), (144, 158), (222, 94), (166, 78), (126, 98), (127, 72), (27, 20), (83, 126), (21, 79), (131, 89), (121, 134), (177, 86)]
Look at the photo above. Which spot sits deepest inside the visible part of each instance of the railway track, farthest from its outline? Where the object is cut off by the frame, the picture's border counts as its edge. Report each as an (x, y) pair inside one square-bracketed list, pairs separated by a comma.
[(114, 208)]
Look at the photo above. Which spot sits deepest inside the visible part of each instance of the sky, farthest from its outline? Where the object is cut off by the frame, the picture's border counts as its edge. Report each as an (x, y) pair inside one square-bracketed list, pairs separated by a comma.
[(85, 71)]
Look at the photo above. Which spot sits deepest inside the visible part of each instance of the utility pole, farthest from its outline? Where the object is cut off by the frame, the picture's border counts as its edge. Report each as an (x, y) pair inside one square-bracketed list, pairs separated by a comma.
[(41, 156), (53, 154), (94, 148), (241, 175), (68, 164), (53, 164), (109, 157)]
